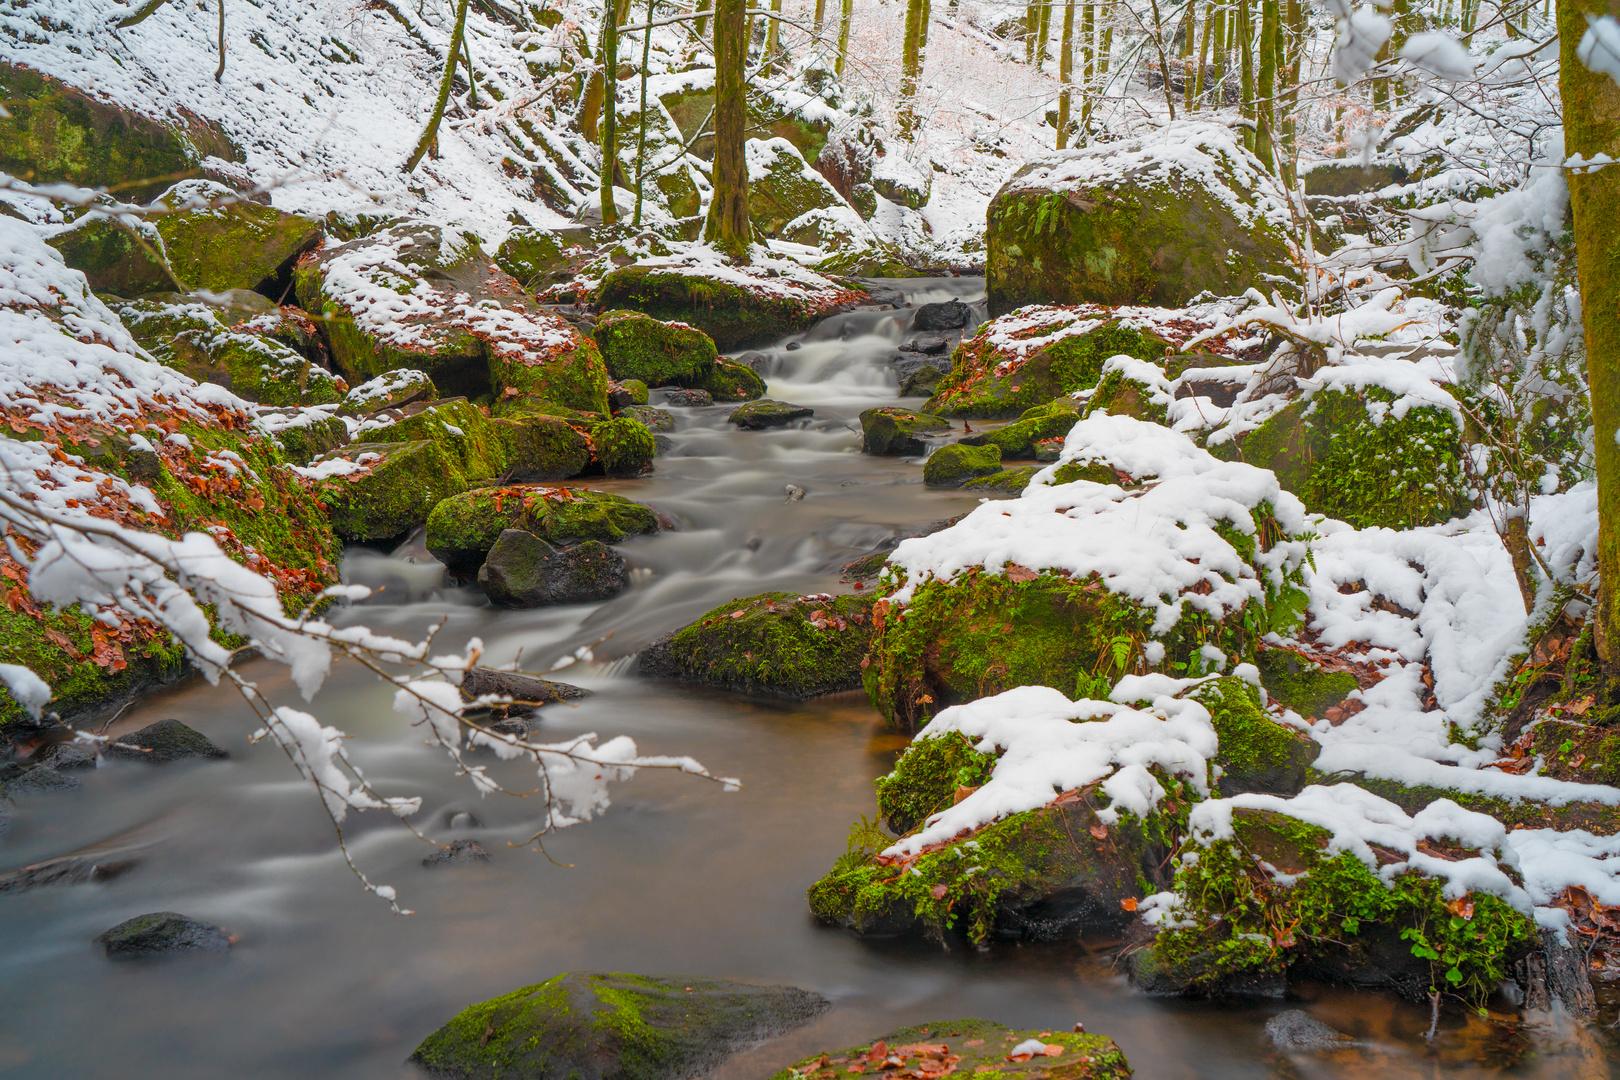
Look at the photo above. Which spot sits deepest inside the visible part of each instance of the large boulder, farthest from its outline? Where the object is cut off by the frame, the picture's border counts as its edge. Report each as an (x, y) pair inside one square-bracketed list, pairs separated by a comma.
[(782, 187), (612, 1026), (969, 1048), (954, 465), (381, 491), (524, 571), (639, 347), (1155, 219), (413, 295), (541, 448), (1017, 440), (737, 306), (461, 530), (890, 430), (779, 644), (468, 438)]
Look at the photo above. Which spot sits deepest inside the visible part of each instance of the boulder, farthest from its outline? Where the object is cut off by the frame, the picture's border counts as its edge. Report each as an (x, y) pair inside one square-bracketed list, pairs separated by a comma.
[(782, 187), (459, 428), (744, 306), (893, 431), (390, 390), (612, 1026), (541, 448), (622, 446), (470, 326), (969, 1048), (164, 741), (1017, 440), (954, 465), (728, 381), (654, 419), (921, 381), (901, 182), (67, 756), (540, 257), (457, 853), (1008, 482), (777, 644), (524, 571), (1132, 387), (34, 779), (846, 162), (688, 399), (950, 315), (461, 530), (381, 491), (1155, 219), (305, 434), (162, 933), (622, 395), (766, 413), (637, 346)]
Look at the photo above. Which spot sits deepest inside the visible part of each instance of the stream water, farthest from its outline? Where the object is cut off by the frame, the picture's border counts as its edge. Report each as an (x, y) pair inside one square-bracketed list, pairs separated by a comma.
[(677, 877)]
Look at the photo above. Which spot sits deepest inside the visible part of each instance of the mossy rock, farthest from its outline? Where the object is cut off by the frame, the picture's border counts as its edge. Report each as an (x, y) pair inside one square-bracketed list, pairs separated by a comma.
[(779, 644), (782, 186), (1328, 916), (926, 778), (524, 571), (1257, 754), (767, 413), (1597, 818), (655, 419), (162, 933), (394, 390), (113, 261), (402, 484), (163, 742), (1009, 482), (541, 448), (733, 316), (1348, 456), (537, 257), (1139, 390), (462, 529), (728, 380), (612, 1026), (984, 382), (1077, 230), (574, 378), (1040, 874), (467, 437), (975, 1048), (312, 435), (623, 446), (954, 465), (895, 431), (244, 245), (634, 389), (637, 346), (922, 383), (56, 132), (1296, 683), (1017, 440)]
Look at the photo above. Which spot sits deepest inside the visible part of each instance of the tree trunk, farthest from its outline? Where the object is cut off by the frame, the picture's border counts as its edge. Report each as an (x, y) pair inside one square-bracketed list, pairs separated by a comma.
[(1203, 51), (1045, 36), (1217, 72), (772, 38), (845, 15), (1065, 73), (1186, 59), (1088, 65), (609, 128), (1592, 127), (1164, 60), (922, 36), (1290, 98), (727, 225), (911, 60), (1265, 101), (1245, 43), (641, 136), (431, 132), (821, 15), (702, 22)]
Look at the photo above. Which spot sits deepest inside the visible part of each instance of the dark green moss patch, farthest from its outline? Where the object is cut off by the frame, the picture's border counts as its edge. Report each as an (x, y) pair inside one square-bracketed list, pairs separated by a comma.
[(956, 464), (637, 346), (1296, 683), (461, 530), (1256, 754), (986, 382), (733, 316)]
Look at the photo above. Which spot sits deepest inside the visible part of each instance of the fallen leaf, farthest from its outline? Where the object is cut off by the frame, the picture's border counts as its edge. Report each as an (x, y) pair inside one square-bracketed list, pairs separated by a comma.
[(1128, 904), (737, 614), (1462, 906), (1020, 574), (938, 892), (1099, 831)]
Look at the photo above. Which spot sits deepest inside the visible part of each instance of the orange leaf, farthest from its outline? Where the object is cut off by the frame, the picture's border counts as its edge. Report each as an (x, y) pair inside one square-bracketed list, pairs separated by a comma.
[(1128, 904), (1100, 832)]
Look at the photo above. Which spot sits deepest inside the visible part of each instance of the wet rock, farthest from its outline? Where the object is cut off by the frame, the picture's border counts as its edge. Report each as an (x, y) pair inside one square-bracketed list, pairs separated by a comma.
[(758, 362), (894, 431), (687, 399), (1018, 439), (101, 861), (523, 570), (868, 566), (923, 381), (730, 381), (458, 853), (622, 446), (460, 531), (780, 644), (393, 490), (970, 1047), (623, 395), (66, 756), (1297, 1031), (766, 413), (930, 344), (162, 933), (18, 779), (954, 465), (391, 390), (950, 315), (1010, 482), (541, 448), (637, 346), (655, 419), (527, 692), (166, 740), (613, 1026)]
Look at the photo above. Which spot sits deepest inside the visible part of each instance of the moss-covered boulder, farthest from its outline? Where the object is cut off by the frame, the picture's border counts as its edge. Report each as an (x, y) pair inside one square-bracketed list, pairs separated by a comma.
[(1362, 455), (1257, 754), (971, 1048), (766, 413), (1157, 219), (637, 346), (954, 465), (1132, 387), (728, 380), (782, 186), (1017, 440), (306, 434), (779, 644), (891, 430), (56, 132), (524, 571), (469, 325), (393, 390), (622, 446), (627, 392), (461, 530), (1295, 682), (242, 245), (539, 257), (740, 307), (467, 437), (655, 419), (612, 1026), (1006, 482), (1005, 369), (382, 490), (1277, 886), (541, 448)]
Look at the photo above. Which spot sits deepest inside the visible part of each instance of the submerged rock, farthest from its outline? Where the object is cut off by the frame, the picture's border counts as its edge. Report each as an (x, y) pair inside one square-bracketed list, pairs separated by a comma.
[(956, 464), (162, 933), (67, 756), (895, 431), (457, 853), (461, 530), (765, 413), (164, 741), (688, 399), (970, 1048), (612, 1026), (523, 570), (780, 644), (1297, 1031)]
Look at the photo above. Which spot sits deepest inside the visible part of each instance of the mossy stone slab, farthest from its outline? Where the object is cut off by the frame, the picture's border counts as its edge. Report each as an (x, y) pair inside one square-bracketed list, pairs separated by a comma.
[(612, 1026), (977, 1048), (461, 530)]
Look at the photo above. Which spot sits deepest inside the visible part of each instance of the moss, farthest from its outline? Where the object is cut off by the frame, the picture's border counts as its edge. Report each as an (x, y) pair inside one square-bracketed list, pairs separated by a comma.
[(1011, 482), (241, 246), (636, 346), (1295, 683), (982, 1047), (734, 317), (69, 650), (462, 529), (926, 778), (1331, 451), (536, 257), (1256, 753), (111, 260), (782, 192), (467, 437), (767, 413), (956, 464), (1119, 394), (1331, 915), (1596, 818), (1072, 471), (1580, 752), (1017, 440), (636, 389), (986, 382), (307, 441), (395, 495), (779, 644), (731, 381), (622, 446), (541, 448), (574, 378), (654, 419), (891, 430)]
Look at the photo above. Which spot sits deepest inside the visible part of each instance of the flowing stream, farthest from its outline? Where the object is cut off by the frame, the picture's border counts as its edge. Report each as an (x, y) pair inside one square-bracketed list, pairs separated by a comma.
[(677, 877)]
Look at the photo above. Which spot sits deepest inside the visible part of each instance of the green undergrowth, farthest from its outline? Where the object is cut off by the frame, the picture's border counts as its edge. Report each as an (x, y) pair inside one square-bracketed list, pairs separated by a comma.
[(926, 777)]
